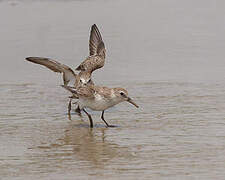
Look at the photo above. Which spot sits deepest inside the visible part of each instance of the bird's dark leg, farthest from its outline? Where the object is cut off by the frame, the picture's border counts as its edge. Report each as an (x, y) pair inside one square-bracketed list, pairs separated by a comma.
[(90, 119), (105, 121), (78, 111), (69, 109)]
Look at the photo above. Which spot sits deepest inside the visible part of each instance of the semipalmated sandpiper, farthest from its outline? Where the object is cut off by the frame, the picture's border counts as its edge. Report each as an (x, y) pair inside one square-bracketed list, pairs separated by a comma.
[(99, 98)]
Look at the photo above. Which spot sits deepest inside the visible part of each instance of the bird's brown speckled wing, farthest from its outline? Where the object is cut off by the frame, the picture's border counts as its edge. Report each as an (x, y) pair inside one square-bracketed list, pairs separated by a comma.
[(91, 63), (96, 44), (84, 92), (103, 91), (68, 73), (97, 50)]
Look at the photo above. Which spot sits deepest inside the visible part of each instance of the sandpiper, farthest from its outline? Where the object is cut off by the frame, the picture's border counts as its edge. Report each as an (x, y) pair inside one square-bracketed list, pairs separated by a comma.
[(95, 60), (99, 98)]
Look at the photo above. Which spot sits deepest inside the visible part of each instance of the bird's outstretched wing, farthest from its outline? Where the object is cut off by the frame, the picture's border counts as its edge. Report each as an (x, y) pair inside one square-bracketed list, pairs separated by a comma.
[(68, 73), (96, 44), (97, 51)]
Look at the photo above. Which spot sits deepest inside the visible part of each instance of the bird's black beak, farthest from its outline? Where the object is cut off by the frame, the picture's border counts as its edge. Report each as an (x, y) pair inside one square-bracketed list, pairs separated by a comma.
[(132, 102)]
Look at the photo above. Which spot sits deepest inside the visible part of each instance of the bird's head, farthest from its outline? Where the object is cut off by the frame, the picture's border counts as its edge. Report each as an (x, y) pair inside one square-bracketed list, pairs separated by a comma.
[(122, 95), (83, 79)]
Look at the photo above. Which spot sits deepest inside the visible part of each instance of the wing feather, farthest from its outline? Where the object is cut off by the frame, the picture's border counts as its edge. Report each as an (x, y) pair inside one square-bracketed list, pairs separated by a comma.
[(84, 92), (68, 73), (97, 50), (95, 40)]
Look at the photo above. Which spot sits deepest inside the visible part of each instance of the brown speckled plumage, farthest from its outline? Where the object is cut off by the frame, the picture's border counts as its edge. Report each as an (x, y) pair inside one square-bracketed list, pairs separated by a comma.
[(97, 50)]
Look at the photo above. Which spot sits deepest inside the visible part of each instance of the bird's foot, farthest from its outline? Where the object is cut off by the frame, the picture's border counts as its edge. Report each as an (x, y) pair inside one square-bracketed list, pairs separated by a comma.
[(112, 126)]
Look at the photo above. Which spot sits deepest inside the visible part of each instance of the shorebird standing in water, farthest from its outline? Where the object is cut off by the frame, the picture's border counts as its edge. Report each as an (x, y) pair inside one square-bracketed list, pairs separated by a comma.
[(99, 98), (95, 60)]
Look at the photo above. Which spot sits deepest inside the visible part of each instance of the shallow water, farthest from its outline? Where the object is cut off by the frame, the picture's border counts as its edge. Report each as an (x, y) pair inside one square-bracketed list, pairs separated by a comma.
[(168, 54)]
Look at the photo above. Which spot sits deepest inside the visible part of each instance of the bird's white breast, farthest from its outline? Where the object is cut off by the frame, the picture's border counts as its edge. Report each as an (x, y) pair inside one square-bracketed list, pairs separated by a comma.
[(99, 103)]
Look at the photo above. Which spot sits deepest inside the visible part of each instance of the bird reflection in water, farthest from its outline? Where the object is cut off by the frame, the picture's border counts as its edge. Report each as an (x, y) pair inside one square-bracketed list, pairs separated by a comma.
[(80, 148), (91, 145)]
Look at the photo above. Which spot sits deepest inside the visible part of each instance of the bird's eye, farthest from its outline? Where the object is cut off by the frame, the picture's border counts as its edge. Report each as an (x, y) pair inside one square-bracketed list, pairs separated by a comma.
[(80, 80), (89, 81), (121, 93)]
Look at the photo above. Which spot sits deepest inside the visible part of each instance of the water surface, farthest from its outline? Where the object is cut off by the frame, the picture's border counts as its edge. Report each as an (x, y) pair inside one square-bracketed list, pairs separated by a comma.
[(168, 54)]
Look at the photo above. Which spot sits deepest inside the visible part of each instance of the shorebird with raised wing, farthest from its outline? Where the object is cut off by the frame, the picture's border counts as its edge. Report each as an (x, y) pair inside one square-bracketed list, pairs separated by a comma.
[(95, 60), (99, 98)]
